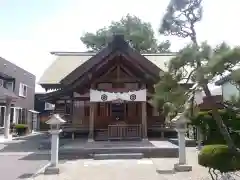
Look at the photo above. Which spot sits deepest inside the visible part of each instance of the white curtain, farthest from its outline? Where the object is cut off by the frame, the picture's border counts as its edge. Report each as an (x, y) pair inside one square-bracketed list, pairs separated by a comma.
[(102, 96)]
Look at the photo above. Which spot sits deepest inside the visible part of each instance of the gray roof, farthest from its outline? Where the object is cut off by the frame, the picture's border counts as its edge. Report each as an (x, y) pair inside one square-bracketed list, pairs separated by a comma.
[(234, 76), (66, 62), (5, 93)]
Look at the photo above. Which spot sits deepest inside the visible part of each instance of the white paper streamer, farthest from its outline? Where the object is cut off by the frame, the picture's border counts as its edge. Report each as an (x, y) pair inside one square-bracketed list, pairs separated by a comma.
[(104, 96)]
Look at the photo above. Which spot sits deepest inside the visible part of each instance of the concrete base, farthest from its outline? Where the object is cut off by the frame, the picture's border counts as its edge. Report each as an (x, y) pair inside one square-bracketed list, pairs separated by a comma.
[(90, 140), (52, 170), (182, 167)]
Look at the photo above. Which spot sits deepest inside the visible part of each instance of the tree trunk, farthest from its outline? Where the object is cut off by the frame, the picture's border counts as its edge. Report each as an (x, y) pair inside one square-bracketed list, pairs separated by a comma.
[(222, 127), (216, 116)]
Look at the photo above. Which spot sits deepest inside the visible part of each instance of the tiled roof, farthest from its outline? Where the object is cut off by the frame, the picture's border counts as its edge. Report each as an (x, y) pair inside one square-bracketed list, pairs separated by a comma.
[(66, 62)]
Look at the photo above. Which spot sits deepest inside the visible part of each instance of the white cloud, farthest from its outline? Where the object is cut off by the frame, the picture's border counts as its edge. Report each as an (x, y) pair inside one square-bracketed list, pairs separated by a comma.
[(62, 31)]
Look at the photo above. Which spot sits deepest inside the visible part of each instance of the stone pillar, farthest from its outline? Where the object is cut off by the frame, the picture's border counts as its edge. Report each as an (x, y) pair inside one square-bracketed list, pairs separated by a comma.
[(53, 168), (91, 122), (182, 146), (181, 165), (7, 119), (199, 139)]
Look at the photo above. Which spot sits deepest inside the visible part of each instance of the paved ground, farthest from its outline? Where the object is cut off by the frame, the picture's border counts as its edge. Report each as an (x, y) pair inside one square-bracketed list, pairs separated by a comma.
[(144, 169), (18, 158)]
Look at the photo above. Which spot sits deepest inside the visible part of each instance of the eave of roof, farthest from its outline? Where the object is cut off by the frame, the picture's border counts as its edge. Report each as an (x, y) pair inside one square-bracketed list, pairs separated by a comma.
[(223, 80), (5, 94), (67, 62)]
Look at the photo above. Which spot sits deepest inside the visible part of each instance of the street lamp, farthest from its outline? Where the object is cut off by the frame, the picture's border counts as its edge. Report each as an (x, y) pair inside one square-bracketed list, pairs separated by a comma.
[(55, 121)]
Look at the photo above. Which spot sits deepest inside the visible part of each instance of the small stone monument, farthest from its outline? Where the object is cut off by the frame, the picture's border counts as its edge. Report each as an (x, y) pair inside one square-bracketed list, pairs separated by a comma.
[(180, 122), (55, 121)]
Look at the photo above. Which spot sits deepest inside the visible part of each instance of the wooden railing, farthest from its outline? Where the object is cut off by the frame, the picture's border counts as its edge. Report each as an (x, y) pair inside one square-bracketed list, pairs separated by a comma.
[(122, 131)]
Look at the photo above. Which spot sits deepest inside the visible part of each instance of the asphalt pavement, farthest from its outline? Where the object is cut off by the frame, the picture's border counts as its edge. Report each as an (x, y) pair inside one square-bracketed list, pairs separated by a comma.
[(20, 159)]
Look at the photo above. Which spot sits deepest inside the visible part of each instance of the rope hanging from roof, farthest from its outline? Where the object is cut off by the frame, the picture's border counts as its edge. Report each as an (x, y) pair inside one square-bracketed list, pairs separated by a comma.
[(104, 96)]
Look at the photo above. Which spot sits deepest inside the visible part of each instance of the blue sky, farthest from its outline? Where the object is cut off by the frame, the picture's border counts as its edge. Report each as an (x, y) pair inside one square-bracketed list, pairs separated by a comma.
[(17, 17), (30, 29)]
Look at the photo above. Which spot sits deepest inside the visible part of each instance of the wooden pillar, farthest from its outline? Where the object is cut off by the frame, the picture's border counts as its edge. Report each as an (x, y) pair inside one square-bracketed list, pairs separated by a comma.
[(144, 117), (155, 111), (91, 120)]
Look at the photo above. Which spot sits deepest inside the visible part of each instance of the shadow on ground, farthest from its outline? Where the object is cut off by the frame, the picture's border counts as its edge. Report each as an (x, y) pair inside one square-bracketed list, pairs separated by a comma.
[(29, 144), (23, 144), (170, 171)]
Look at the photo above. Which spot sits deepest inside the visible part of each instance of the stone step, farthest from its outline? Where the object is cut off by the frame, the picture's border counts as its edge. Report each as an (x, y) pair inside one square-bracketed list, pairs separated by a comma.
[(118, 156), (189, 142)]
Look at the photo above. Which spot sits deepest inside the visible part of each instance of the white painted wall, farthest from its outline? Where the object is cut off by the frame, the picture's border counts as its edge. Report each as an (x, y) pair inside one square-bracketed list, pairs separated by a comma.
[(229, 90)]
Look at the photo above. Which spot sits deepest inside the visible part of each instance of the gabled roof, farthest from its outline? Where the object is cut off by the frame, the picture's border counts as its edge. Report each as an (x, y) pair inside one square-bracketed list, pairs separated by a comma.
[(70, 65), (118, 46)]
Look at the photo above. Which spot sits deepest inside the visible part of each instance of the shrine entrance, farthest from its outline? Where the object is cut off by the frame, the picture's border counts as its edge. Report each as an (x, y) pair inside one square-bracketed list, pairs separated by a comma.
[(125, 117), (118, 111)]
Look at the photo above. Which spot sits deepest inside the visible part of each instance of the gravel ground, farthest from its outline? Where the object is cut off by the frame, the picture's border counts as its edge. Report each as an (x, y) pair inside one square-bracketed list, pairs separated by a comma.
[(144, 169)]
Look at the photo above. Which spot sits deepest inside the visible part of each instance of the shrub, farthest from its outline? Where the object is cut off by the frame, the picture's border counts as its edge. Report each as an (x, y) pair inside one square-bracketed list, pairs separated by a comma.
[(21, 129), (219, 157), (210, 130)]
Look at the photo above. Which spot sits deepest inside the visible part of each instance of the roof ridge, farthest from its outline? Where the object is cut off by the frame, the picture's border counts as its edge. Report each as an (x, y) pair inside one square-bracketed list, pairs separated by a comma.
[(65, 53)]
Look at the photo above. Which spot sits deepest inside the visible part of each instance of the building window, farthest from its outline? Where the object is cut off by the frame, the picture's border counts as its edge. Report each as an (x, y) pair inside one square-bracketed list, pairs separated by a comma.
[(9, 85), (23, 90), (49, 106)]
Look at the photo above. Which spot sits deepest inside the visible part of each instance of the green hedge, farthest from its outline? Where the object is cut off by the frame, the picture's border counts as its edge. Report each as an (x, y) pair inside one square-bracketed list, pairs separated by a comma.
[(219, 158), (210, 130), (21, 129)]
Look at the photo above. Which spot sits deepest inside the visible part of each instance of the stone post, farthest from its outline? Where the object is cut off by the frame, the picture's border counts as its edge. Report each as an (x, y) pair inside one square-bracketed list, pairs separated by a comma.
[(7, 119), (53, 168), (182, 146), (180, 121), (54, 147), (55, 122), (199, 139)]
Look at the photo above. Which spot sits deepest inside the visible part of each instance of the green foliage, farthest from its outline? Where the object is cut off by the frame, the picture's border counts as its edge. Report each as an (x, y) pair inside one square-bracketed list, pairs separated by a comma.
[(139, 34), (21, 129), (212, 135), (169, 95), (219, 157), (199, 63), (180, 17), (21, 126)]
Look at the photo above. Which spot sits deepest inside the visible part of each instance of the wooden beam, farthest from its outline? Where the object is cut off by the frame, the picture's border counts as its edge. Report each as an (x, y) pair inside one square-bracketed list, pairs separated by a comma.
[(110, 80), (108, 72), (128, 72), (137, 65)]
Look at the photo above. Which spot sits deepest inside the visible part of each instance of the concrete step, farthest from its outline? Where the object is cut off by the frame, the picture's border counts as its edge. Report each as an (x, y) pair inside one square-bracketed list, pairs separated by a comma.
[(189, 142), (147, 152), (118, 156)]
